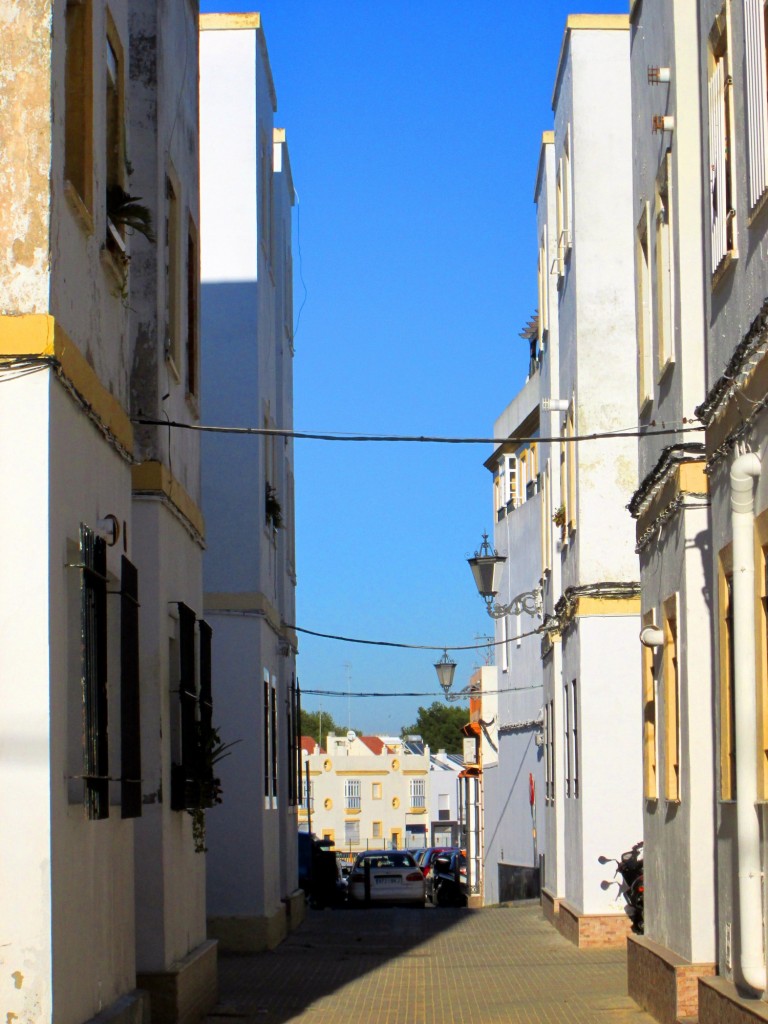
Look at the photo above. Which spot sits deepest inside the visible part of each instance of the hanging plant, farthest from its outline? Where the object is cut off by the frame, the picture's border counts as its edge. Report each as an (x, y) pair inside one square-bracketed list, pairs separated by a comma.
[(127, 211), (272, 510), (559, 516)]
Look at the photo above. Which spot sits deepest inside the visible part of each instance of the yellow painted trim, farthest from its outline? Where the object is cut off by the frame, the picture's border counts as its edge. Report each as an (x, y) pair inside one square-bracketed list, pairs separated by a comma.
[(671, 676), (688, 478), (39, 335), (229, 20), (586, 606), (416, 810), (352, 810), (725, 683), (31, 334), (650, 714), (365, 771), (153, 477), (250, 601), (414, 771)]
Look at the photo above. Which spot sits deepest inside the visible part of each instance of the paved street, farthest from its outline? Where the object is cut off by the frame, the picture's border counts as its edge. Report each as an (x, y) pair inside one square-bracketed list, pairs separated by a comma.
[(432, 966)]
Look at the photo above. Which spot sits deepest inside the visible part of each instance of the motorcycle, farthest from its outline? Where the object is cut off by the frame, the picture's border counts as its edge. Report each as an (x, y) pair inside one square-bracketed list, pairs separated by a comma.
[(631, 882)]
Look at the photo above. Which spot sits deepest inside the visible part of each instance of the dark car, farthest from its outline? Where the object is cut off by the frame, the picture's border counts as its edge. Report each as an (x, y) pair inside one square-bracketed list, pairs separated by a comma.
[(447, 882), (319, 872), (426, 858)]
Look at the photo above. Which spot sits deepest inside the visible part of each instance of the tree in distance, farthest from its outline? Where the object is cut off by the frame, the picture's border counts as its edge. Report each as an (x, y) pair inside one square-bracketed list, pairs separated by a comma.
[(440, 726), (312, 722)]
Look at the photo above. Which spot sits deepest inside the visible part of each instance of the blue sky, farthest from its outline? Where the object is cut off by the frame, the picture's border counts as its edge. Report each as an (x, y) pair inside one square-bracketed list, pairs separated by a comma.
[(414, 132)]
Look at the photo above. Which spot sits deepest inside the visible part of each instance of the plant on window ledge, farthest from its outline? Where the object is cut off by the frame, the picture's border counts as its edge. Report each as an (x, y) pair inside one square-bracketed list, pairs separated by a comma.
[(272, 509), (559, 516), (203, 790), (127, 211)]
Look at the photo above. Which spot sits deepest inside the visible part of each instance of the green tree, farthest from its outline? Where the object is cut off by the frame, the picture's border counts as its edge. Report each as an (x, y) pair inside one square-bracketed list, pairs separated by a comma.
[(439, 726), (313, 722)]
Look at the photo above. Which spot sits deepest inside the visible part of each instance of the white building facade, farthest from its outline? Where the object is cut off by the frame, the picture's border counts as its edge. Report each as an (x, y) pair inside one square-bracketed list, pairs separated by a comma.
[(103, 530), (247, 196), (671, 511)]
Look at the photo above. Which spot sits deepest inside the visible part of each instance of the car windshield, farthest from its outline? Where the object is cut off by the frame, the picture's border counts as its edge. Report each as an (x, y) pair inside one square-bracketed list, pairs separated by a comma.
[(388, 860)]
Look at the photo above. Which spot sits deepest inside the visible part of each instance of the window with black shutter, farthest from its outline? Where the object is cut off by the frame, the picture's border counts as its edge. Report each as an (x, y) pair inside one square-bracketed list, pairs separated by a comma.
[(93, 626), (193, 785), (130, 709)]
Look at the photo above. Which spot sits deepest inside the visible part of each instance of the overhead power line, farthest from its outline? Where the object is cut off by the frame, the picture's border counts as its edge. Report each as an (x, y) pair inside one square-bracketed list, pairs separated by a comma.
[(407, 693), (416, 647), (306, 435)]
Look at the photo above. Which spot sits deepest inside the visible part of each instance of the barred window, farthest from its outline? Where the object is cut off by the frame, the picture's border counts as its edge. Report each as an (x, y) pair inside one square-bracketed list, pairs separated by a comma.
[(352, 794), (418, 793), (93, 625)]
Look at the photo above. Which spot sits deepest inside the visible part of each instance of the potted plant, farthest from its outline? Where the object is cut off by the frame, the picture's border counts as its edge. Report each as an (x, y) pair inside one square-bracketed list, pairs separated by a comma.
[(559, 516), (273, 512)]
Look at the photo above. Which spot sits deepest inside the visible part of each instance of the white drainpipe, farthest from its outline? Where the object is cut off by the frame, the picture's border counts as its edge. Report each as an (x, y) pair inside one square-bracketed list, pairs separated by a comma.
[(744, 471)]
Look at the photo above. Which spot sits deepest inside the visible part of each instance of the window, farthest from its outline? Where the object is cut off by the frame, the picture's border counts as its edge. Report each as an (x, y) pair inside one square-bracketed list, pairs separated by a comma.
[(294, 743), (721, 141), (543, 282), (114, 150), (376, 791), (575, 736), (418, 793), (172, 271), (665, 270), (567, 195), (650, 781), (546, 520), (377, 830), (504, 644), (266, 185), (130, 708), (549, 754), (671, 703), (78, 101), (352, 794), (193, 305), (270, 739), (756, 97), (727, 678), (352, 832), (567, 738), (643, 317), (307, 794), (192, 780), (93, 624)]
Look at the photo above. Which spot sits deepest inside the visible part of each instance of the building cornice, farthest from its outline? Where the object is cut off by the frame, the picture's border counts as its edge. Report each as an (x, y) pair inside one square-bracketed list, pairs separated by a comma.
[(252, 603), (231, 22), (580, 22)]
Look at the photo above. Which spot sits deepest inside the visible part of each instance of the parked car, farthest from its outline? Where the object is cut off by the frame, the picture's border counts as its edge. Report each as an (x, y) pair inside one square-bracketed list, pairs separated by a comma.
[(426, 858), (319, 873), (386, 876), (447, 883)]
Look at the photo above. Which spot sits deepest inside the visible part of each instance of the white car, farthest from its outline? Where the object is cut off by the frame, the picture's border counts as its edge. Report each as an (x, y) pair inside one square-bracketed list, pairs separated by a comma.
[(386, 876)]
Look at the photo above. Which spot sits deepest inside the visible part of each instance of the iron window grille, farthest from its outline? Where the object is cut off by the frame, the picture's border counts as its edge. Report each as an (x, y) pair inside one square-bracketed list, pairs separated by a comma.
[(93, 637)]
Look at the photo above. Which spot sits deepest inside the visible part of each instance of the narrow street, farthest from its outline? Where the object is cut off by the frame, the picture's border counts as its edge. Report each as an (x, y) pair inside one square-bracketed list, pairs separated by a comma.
[(413, 966)]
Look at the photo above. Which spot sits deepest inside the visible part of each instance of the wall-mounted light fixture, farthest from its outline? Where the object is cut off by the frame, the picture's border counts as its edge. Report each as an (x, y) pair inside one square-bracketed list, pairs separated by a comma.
[(109, 528), (486, 569), (662, 123), (554, 404), (659, 76)]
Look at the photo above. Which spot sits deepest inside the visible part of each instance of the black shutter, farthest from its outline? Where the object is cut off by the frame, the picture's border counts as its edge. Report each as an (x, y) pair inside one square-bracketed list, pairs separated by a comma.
[(130, 706), (93, 624), (188, 769)]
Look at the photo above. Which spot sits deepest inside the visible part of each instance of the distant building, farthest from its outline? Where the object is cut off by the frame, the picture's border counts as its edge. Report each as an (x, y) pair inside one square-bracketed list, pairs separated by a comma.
[(366, 792)]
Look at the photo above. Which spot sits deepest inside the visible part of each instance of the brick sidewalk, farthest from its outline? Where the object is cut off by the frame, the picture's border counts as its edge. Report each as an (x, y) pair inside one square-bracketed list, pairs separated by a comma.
[(432, 966)]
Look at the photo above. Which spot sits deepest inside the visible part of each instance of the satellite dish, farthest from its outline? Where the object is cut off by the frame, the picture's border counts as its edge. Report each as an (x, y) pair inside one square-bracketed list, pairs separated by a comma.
[(351, 735)]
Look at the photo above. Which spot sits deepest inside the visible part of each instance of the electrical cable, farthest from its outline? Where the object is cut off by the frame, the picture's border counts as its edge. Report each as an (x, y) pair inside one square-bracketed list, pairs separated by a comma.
[(428, 693), (414, 647), (420, 439)]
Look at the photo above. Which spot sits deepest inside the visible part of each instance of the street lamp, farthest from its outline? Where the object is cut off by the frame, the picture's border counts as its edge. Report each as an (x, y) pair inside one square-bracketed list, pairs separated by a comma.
[(486, 569), (445, 669)]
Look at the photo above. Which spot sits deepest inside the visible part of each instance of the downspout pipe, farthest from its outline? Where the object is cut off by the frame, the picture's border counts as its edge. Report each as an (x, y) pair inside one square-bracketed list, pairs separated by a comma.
[(744, 471)]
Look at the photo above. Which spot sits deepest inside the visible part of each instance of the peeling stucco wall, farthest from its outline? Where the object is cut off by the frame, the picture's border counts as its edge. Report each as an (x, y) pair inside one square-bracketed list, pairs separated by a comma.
[(25, 154)]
